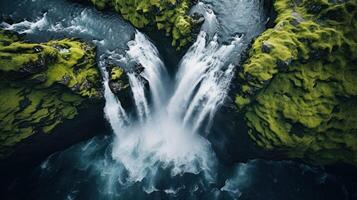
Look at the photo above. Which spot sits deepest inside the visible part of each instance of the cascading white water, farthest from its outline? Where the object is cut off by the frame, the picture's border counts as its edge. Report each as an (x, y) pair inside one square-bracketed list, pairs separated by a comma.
[(113, 109), (163, 136), (26, 26), (141, 104), (211, 24), (157, 140), (202, 81), (144, 53)]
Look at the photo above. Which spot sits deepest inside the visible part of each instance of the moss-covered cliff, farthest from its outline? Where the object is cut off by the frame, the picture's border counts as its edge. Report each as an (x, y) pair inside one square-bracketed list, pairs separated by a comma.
[(298, 87), (167, 15), (42, 85)]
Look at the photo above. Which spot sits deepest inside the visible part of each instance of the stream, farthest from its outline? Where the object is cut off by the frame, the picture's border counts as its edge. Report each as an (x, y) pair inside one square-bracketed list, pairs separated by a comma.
[(160, 150)]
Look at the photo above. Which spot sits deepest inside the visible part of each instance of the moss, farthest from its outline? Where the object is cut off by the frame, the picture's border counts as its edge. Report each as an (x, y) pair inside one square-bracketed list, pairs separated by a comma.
[(42, 85), (118, 81), (116, 73), (119, 85), (167, 15), (299, 91), (241, 101)]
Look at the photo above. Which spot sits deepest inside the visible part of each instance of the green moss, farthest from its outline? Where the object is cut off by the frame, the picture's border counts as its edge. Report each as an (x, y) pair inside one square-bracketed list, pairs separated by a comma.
[(116, 73), (168, 15), (241, 101), (42, 85), (299, 92), (118, 81)]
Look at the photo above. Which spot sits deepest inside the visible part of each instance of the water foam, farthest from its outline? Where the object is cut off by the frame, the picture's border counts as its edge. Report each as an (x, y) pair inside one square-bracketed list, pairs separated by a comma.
[(202, 81), (164, 138), (27, 26), (144, 53), (157, 141)]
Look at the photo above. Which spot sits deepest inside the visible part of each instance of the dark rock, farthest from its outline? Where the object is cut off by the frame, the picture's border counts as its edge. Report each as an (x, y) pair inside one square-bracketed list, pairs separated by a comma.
[(297, 19), (65, 80), (197, 18), (7, 19), (86, 84), (265, 48), (24, 103), (282, 65), (76, 88), (137, 69), (38, 78), (270, 13), (120, 86), (37, 49)]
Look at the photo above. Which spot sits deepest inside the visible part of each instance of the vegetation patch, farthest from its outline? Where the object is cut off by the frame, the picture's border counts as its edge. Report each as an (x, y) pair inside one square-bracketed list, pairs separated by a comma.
[(119, 85), (298, 86), (42, 85), (167, 15)]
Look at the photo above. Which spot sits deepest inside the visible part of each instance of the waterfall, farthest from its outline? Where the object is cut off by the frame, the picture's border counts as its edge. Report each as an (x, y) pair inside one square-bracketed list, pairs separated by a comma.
[(166, 134), (141, 104), (202, 81), (156, 140), (145, 54), (114, 112)]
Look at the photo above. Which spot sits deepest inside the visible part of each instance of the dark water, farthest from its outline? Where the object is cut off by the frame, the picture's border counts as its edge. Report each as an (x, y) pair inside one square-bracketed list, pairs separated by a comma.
[(88, 170)]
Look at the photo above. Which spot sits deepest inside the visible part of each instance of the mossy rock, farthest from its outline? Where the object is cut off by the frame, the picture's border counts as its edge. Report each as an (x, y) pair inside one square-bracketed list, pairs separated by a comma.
[(170, 16), (42, 85), (299, 87), (119, 85)]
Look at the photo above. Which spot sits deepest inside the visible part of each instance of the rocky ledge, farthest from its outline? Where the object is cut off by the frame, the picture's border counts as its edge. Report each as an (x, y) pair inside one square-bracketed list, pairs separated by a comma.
[(119, 85), (298, 86), (171, 16), (45, 89)]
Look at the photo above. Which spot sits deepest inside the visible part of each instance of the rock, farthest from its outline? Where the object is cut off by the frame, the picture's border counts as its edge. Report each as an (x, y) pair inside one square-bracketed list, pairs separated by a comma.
[(265, 48), (24, 103), (38, 78), (37, 49), (65, 80), (282, 66), (198, 18), (119, 85), (169, 16), (40, 91), (304, 85)]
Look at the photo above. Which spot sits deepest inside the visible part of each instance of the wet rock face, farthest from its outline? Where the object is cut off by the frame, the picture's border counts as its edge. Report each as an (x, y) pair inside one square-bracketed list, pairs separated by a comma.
[(119, 85), (170, 16), (42, 86), (298, 86)]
